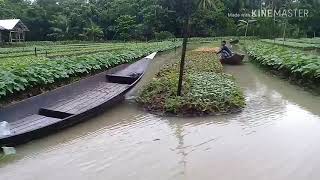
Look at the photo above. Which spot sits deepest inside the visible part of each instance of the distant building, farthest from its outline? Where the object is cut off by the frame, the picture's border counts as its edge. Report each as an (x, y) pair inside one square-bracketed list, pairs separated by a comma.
[(12, 30)]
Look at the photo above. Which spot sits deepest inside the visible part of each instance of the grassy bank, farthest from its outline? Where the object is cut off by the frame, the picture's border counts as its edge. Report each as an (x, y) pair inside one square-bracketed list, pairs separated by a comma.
[(301, 67), (206, 89)]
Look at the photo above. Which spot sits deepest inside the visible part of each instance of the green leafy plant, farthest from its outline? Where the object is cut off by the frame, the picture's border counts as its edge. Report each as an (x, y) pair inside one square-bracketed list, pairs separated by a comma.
[(207, 90), (294, 43), (19, 74), (293, 62)]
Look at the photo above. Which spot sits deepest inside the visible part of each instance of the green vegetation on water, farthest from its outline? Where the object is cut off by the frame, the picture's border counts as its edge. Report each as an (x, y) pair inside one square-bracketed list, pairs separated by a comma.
[(206, 89), (294, 63), (20, 73)]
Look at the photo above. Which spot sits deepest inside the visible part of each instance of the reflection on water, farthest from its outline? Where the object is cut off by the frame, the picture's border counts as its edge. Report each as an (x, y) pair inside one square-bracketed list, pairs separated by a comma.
[(275, 137)]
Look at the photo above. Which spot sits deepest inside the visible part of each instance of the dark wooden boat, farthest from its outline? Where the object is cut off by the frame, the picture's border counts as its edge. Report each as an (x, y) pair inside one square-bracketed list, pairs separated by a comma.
[(235, 41), (236, 59), (105, 90)]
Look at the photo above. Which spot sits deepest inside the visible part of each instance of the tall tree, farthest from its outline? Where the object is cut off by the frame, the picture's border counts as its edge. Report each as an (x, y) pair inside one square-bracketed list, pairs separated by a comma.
[(189, 7), (67, 19), (93, 31)]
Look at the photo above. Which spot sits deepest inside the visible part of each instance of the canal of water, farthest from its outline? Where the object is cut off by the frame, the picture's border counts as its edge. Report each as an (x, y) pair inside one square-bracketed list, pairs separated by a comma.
[(275, 137)]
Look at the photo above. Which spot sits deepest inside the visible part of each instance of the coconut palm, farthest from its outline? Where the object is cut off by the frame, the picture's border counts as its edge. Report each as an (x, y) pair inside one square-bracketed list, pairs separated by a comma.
[(245, 24), (93, 31)]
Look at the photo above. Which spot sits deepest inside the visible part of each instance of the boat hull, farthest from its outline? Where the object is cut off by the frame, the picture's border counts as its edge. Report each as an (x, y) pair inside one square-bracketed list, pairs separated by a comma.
[(58, 117), (236, 41), (236, 59)]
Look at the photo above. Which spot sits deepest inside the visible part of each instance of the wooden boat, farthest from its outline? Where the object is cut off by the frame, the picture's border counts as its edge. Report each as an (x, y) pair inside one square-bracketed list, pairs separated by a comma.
[(236, 41), (105, 90), (236, 59)]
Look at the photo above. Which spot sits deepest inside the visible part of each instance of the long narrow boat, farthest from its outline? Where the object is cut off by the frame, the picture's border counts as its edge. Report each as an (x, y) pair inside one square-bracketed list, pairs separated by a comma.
[(48, 118), (235, 41), (236, 59)]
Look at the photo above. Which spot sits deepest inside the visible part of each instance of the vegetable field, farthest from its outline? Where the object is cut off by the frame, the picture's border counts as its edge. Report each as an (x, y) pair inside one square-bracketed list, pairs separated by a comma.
[(303, 40), (293, 62), (206, 89), (23, 70), (296, 43)]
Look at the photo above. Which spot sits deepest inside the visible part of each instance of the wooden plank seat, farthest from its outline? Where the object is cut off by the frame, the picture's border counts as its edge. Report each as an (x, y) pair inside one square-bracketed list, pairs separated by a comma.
[(31, 123), (89, 99)]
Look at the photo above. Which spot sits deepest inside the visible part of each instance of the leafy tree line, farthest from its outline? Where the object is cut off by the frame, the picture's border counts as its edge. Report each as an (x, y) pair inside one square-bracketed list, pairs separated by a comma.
[(294, 27), (152, 19)]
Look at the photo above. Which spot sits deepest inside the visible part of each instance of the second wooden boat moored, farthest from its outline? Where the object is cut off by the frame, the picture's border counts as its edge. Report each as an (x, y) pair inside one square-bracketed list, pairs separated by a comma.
[(67, 112)]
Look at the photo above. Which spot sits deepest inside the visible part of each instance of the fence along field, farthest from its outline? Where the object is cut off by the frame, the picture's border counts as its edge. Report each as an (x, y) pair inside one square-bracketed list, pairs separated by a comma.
[(20, 72)]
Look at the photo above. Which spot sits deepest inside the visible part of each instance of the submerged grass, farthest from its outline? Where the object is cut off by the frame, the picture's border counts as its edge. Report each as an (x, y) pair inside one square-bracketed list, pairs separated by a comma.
[(206, 89)]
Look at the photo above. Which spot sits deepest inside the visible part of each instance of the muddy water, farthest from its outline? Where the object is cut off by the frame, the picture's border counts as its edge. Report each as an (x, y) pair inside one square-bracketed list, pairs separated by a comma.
[(276, 137)]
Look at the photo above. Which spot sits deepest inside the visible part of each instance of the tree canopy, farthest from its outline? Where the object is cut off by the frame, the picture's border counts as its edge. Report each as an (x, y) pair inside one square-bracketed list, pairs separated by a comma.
[(147, 19)]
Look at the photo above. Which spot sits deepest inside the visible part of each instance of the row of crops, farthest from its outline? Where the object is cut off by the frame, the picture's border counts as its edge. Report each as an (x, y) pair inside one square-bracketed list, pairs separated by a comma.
[(296, 43), (296, 63), (18, 74), (303, 40), (67, 48), (59, 50), (48, 48), (226, 38)]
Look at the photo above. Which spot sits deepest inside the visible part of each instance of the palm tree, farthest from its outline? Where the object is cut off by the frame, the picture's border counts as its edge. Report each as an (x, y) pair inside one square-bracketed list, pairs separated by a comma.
[(188, 8), (245, 24), (93, 31)]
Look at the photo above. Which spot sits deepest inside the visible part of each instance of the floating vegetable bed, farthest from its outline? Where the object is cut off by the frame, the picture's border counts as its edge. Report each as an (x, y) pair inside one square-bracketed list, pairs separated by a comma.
[(294, 64), (206, 89)]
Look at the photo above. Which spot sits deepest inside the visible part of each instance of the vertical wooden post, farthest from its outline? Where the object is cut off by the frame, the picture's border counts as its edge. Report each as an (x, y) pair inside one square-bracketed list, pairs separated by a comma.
[(183, 54), (10, 37), (46, 53), (35, 51), (245, 34), (284, 32)]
